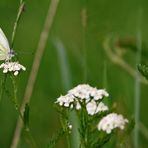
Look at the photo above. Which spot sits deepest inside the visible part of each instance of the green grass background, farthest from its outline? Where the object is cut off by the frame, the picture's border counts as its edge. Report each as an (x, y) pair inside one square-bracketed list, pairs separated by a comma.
[(104, 17)]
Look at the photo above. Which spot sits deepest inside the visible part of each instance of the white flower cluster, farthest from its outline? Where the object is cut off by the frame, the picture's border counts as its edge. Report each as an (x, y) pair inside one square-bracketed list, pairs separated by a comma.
[(86, 94), (91, 98), (112, 121), (14, 67)]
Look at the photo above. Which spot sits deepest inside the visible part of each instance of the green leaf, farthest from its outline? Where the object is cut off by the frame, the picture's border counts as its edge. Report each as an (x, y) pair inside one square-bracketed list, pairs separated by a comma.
[(143, 70)]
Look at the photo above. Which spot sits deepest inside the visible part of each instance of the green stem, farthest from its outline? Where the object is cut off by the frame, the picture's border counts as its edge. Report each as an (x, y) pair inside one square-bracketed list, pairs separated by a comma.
[(64, 123), (15, 102), (14, 99), (83, 129), (2, 87), (86, 130), (21, 8), (68, 140)]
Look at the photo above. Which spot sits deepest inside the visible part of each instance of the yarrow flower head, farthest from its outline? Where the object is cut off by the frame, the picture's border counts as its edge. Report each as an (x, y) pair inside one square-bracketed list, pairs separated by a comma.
[(86, 92), (13, 67), (112, 121), (87, 95)]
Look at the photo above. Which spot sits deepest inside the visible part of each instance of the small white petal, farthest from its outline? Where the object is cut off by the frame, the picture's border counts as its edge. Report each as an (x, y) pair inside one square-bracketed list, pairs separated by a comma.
[(16, 73), (91, 107), (70, 126), (101, 107), (78, 106), (5, 70)]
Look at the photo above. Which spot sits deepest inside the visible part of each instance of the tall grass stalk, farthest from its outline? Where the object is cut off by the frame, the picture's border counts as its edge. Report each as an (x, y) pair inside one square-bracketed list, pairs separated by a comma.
[(67, 84), (14, 98), (35, 67), (63, 62), (137, 81), (19, 14)]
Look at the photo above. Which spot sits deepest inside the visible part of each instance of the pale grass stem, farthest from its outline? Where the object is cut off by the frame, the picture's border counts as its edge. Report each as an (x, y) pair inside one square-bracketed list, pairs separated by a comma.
[(35, 67), (118, 60)]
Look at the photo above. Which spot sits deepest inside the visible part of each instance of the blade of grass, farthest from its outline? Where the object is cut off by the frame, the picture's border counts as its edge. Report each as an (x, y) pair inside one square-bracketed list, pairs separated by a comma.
[(19, 14), (35, 67), (63, 62)]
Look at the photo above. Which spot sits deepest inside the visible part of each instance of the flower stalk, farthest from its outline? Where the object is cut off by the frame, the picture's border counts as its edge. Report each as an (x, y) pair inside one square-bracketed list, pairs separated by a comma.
[(19, 14), (14, 98)]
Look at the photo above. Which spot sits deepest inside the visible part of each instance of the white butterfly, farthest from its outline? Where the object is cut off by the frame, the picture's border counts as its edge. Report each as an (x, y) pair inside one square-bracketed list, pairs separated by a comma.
[(5, 52)]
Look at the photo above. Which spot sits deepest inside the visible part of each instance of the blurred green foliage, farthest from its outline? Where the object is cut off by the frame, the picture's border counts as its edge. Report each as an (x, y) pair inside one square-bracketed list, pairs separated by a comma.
[(144, 70), (84, 56)]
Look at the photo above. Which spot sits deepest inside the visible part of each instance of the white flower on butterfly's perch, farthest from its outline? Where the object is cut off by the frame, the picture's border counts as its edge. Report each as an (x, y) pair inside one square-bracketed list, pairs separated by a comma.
[(14, 67)]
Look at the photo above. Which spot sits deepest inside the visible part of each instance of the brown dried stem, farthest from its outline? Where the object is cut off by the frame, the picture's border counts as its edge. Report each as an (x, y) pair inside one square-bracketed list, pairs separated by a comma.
[(118, 60)]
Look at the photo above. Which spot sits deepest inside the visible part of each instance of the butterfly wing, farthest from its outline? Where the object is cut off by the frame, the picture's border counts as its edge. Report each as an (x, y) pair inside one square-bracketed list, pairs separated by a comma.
[(4, 46), (4, 54), (3, 40)]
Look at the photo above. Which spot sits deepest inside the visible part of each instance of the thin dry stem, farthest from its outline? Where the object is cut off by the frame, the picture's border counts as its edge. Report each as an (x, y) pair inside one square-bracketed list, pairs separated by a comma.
[(35, 67), (120, 61)]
